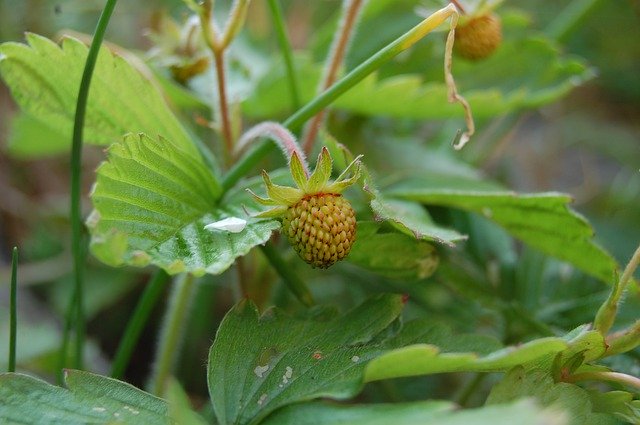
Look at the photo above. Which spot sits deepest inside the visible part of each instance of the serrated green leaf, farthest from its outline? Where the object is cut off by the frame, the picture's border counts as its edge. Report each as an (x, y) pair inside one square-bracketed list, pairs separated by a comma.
[(412, 219), (542, 220), (152, 201), (619, 403), (574, 400), (409, 218), (44, 80), (394, 255), (416, 413), (258, 364), (89, 399)]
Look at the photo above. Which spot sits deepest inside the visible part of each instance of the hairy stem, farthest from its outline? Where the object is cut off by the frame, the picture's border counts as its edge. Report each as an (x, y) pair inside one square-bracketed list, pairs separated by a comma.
[(350, 12), (137, 322), (13, 311), (617, 377), (287, 52), (624, 341), (293, 123), (606, 314), (279, 134), (76, 169), (235, 22), (289, 277), (171, 334)]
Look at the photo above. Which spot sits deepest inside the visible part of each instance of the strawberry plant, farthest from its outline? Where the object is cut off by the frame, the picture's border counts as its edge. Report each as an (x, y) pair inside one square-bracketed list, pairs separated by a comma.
[(213, 272)]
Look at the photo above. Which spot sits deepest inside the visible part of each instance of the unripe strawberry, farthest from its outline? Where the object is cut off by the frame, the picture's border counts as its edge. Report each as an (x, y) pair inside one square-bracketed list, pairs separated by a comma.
[(318, 221), (479, 37), (321, 228)]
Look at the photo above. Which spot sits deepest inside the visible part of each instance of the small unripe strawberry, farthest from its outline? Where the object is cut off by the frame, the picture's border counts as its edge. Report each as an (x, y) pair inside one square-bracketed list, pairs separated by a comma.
[(318, 221), (321, 228), (479, 37)]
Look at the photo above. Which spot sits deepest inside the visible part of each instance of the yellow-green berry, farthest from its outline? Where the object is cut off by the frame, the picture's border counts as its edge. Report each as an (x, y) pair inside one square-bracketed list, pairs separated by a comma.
[(321, 228)]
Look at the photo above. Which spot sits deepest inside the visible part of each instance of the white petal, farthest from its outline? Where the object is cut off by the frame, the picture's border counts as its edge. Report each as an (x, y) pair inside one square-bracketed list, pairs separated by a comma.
[(230, 224)]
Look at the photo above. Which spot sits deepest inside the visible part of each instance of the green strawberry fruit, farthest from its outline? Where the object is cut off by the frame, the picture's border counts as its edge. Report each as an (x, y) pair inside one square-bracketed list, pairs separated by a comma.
[(318, 221), (321, 228)]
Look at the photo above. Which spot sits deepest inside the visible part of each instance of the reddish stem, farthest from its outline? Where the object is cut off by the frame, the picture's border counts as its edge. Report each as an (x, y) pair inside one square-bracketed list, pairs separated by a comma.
[(218, 56), (338, 51), (459, 6)]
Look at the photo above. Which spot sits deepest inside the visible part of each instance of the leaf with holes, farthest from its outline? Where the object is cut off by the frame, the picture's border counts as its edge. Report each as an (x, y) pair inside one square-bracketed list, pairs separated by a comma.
[(44, 79), (152, 202), (260, 363)]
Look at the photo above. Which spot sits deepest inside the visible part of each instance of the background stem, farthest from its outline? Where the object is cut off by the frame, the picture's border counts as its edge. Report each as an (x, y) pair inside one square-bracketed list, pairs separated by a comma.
[(148, 300), (338, 51), (287, 51), (77, 246), (570, 19), (171, 335), (13, 311)]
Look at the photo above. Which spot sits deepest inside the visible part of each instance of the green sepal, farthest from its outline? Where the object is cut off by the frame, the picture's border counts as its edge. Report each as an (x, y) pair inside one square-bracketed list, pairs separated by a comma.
[(281, 194), (299, 172), (263, 201), (353, 164), (342, 183), (272, 213), (322, 172)]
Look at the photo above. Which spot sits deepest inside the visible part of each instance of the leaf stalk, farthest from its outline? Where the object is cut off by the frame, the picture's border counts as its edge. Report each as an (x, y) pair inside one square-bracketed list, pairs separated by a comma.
[(77, 246), (287, 51), (171, 333), (606, 315), (136, 324), (13, 311)]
